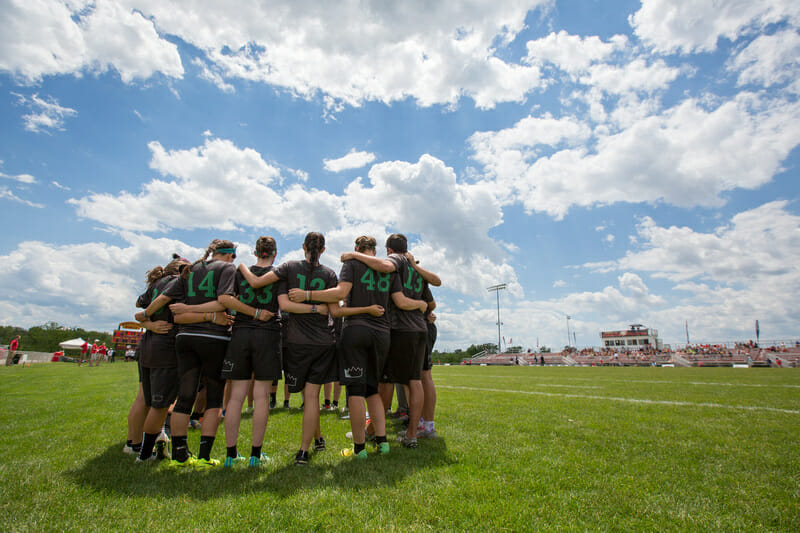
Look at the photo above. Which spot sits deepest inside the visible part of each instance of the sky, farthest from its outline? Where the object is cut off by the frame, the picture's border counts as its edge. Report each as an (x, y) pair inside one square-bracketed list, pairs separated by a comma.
[(614, 162)]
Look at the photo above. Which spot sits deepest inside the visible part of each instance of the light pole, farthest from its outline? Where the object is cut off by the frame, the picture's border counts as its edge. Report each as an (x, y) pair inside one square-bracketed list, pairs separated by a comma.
[(568, 317), (497, 289)]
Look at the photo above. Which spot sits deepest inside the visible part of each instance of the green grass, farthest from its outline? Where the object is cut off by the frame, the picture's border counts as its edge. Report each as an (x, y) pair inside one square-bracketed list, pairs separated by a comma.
[(522, 449)]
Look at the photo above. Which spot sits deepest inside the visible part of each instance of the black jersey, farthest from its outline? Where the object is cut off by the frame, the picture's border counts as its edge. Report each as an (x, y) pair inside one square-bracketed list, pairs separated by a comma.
[(369, 288), (263, 298), (309, 328), (160, 347), (207, 280), (413, 287)]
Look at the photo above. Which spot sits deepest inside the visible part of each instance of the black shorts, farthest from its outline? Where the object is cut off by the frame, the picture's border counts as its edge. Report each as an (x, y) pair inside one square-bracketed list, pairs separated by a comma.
[(430, 340), (253, 351), (406, 353), (159, 386), (201, 357), (362, 356), (309, 363)]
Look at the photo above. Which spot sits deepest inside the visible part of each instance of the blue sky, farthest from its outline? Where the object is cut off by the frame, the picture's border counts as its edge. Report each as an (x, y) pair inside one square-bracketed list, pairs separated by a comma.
[(617, 162)]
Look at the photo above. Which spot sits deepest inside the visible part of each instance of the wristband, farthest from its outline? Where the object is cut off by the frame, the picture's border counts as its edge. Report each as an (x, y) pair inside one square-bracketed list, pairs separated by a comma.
[(314, 308), (255, 315), (308, 295), (214, 318)]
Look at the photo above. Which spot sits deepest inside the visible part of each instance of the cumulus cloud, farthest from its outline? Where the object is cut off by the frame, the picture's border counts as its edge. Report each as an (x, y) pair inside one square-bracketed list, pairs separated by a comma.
[(687, 155), (349, 161), (46, 114), (697, 25), (769, 59), (42, 38)]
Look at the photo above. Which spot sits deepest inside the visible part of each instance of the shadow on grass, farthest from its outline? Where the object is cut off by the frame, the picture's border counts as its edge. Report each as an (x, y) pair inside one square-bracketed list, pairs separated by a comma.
[(112, 472)]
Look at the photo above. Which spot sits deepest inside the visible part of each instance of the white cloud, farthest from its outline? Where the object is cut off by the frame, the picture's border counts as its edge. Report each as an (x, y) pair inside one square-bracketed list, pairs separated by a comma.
[(21, 178), (769, 59), (435, 54), (559, 283), (9, 195), (42, 38), (697, 25), (349, 161), (572, 53), (609, 238), (46, 114), (57, 185), (685, 156)]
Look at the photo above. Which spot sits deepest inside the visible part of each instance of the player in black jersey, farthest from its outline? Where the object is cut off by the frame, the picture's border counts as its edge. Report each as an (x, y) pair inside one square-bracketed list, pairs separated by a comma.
[(365, 339), (201, 343), (426, 427), (254, 350), (310, 348), (157, 360), (409, 331)]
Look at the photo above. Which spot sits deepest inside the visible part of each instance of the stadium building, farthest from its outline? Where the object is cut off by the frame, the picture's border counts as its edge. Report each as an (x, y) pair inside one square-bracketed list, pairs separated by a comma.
[(635, 337)]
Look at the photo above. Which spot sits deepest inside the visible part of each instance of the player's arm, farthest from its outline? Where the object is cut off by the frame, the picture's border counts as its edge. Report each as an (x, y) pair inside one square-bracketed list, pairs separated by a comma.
[(379, 265), (213, 305), (300, 308), (258, 281), (426, 274), (220, 318), (160, 301), (374, 310), (159, 326), (231, 302), (407, 304), (332, 295)]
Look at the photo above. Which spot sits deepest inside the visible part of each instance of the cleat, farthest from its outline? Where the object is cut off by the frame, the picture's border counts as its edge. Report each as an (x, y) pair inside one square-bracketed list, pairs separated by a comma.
[(188, 463), (406, 442), (255, 462), (349, 435), (129, 450), (301, 458), (152, 459), (161, 451), (286, 404), (230, 461), (350, 452), (205, 464), (382, 448), (425, 434), (319, 444), (272, 404)]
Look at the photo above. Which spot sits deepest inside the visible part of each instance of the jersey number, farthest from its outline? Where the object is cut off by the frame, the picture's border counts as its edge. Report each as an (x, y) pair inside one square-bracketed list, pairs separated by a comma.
[(368, 279), (206, 285), (317, 284), (412, 284), (247, 294)]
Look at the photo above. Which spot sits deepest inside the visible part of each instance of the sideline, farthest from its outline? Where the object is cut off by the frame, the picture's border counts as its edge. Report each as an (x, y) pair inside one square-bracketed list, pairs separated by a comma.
[(610, 380), (630, 400)]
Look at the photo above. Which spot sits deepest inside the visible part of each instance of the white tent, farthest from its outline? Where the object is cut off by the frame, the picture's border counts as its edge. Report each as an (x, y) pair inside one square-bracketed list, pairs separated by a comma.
[(74, 344)]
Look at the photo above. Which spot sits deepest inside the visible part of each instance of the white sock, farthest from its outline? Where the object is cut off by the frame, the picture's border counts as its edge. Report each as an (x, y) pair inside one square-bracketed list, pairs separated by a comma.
[(429, 426)]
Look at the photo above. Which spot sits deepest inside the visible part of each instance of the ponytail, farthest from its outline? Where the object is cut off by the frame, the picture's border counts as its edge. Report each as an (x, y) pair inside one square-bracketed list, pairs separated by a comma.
[(154, 275)]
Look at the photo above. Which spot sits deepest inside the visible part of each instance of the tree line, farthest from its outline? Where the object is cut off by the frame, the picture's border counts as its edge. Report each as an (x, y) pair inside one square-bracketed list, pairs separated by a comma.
[(46, 338)]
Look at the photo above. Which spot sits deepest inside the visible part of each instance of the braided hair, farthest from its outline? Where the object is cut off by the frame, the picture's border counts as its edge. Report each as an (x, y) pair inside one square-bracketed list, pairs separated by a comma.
[(265, 247)]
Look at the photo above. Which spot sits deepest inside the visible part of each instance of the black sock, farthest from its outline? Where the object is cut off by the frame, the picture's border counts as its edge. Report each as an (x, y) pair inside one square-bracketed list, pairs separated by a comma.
[(180, 448), (358, 448), (148, 442), (232, 452), (206, 443), (255, 451), (380, 439), (166, 424), (327, 403), (129, 443), (335, 403), (272, 396), (136, 447)]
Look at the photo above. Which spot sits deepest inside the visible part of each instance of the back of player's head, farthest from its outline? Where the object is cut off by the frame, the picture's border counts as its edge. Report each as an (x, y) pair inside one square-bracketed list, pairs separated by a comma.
[(265, 247), (314, 243), (176, 265), (397, 242), (365, 243), (155, 274)]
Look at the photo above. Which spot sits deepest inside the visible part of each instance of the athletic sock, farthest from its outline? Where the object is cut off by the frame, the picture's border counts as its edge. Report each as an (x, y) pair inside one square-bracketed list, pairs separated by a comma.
[(129, 443), (272, 397), (380, 439), (136, 447), (429, 425), (255, 451), (358, 448), (232, 452), (206, 443), (148, 442), (335, 403), (180, 449)]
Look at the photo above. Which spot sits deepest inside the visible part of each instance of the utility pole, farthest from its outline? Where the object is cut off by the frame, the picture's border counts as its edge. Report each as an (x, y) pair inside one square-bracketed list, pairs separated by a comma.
[(496, 289), (568, 339)]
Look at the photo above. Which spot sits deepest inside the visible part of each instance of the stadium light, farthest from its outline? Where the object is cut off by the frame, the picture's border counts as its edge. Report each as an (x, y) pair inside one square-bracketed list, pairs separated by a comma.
[(497, 289)]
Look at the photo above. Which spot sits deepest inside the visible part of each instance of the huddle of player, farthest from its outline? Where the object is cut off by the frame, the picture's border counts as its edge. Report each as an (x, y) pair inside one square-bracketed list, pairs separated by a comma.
[(385, 306)]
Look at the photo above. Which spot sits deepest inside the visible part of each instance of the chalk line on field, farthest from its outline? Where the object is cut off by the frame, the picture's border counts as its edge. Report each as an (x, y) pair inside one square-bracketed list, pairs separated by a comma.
[(673, 403), (649, 381)]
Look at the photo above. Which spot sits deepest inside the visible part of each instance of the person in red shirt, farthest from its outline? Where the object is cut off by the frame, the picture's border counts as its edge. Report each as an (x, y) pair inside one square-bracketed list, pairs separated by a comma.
[(13, 346), (84, 354)]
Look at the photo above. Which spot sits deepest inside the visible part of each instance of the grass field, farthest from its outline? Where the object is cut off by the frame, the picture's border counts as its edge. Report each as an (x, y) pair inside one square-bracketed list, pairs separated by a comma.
[(521, 449)]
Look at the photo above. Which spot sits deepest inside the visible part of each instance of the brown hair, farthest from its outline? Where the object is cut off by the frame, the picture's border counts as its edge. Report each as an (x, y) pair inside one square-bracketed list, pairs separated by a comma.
[(215, 245), (364, 243), (314, 244), (265, 247), (397, 242), (155, 274)]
